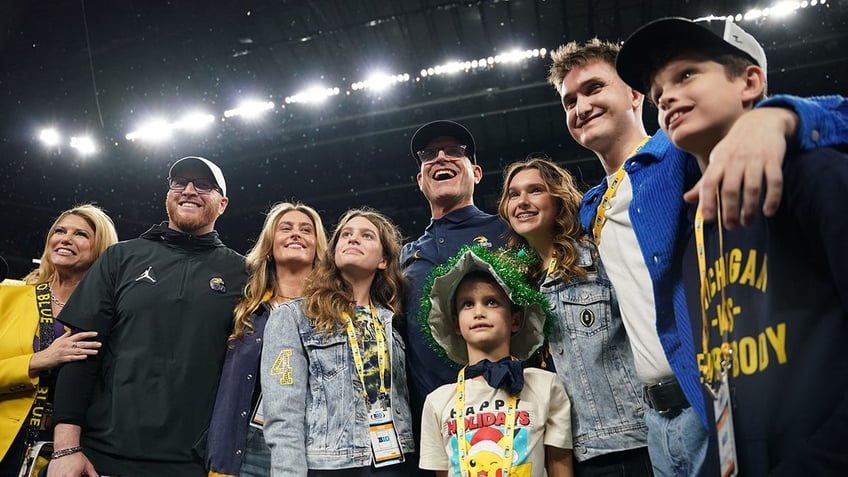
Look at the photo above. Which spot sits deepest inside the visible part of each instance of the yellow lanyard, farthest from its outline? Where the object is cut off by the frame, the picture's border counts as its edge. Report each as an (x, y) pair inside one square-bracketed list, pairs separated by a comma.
[(382, 351), (552, 265), (712, 378), (509, 428), (546, 350), (612, 188), (42, 408)]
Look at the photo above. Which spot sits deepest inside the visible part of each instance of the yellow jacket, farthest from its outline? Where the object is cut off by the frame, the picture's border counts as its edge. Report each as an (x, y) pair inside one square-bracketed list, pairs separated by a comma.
[(18, 328)]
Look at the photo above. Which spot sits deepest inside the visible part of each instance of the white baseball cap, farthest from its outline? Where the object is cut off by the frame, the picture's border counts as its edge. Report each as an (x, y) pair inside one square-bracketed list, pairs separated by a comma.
[(651, 43), (216, 172)]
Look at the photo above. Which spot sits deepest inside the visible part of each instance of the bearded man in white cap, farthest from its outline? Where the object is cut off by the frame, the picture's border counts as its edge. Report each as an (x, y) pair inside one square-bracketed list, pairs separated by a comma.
[(162, 306)]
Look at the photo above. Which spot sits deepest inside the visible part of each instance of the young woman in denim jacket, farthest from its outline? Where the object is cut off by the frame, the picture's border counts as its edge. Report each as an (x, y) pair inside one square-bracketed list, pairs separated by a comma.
[(588, 345), (291, 240), (333, 364)]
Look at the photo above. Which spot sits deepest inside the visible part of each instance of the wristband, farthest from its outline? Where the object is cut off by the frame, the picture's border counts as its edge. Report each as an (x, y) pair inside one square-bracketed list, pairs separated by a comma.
[(64, 452)]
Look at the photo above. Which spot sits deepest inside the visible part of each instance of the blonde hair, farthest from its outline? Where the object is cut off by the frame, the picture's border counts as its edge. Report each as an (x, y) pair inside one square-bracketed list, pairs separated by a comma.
[(328, 295), (567, 229), (262, 275), (104, 236), (573, 55)]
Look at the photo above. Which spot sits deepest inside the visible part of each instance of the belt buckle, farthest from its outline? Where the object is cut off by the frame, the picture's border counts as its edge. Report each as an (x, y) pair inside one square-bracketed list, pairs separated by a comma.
[(670, 412)]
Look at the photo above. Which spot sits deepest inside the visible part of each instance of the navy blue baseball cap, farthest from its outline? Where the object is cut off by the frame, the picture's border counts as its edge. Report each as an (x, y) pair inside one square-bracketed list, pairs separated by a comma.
[(443, 127)]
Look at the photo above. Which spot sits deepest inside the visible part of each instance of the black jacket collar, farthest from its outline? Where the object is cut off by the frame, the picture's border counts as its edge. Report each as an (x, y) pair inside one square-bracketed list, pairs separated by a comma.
[(161, 232)]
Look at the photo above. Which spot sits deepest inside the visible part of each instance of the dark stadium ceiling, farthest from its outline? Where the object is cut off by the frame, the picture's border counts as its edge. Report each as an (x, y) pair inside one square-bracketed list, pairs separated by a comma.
[(105, 66)]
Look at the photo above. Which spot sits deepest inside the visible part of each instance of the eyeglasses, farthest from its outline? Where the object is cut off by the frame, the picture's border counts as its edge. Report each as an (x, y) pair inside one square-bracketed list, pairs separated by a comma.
[(201, 185), (453, 152)]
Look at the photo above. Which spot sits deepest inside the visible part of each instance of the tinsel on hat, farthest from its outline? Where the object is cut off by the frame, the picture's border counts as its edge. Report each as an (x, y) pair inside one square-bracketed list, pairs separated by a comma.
[(513, 266)]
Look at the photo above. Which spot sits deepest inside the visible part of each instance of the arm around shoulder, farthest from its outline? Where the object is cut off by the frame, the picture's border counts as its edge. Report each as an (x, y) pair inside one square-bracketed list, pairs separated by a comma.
[(821, 120), (753, 150)]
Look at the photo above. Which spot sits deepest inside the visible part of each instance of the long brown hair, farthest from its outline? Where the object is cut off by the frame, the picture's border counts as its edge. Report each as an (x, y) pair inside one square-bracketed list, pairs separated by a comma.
[(261, 270), (328, 295), (567, 229), (104, 236)]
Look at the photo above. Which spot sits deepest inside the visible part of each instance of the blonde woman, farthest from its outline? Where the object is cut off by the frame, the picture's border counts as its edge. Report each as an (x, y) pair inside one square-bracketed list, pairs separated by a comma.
[(74, 242), (333, 365), (289, 245)]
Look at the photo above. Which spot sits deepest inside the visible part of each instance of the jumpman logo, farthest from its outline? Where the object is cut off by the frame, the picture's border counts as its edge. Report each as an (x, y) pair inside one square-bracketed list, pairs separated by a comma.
[(147, 274)]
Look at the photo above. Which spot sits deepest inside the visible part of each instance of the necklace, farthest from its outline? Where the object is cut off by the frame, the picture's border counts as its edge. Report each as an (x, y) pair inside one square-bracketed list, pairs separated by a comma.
[(56, 302), (278, 300)]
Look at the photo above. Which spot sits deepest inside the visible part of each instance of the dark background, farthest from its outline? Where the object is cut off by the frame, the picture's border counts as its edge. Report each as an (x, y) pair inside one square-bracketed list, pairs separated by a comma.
[(153, 56)]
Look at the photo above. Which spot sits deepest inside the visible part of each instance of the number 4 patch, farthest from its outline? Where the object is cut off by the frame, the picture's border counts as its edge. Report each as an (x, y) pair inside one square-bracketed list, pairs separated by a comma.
[(282, 368)]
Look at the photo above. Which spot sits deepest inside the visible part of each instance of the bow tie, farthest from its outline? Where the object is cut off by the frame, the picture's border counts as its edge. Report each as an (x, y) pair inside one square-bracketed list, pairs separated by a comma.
[(506, 373)]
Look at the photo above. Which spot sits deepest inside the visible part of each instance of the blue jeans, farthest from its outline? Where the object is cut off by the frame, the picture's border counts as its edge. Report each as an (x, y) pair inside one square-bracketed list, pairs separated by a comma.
[(677, 445), (257, 456)]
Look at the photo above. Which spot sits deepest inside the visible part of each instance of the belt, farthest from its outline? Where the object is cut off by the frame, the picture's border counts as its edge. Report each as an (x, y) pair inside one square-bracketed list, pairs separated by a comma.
[(666, 397)]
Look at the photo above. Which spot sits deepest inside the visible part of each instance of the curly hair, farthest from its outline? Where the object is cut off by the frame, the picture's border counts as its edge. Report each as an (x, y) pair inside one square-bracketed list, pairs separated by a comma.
[(573, 55), (104, 236), (261, 268), (328, 296), (567, 229)]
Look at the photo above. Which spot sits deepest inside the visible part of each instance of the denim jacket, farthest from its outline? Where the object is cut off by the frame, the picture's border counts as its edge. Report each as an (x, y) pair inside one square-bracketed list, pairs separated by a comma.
[(230, 419), (315, 415), (593, 358)]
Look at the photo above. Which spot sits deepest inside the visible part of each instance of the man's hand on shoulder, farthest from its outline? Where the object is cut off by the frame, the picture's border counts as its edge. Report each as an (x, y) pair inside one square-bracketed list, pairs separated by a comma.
[(750, 154)]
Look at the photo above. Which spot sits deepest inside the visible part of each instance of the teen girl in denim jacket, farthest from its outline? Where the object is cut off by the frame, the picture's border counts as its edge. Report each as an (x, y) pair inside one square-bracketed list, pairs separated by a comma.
[(588, 345), (290, 243), (333, 366)]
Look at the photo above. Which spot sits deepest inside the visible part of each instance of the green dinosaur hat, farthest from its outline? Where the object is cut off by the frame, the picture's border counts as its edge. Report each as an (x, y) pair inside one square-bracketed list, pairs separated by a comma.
[(508, 267)]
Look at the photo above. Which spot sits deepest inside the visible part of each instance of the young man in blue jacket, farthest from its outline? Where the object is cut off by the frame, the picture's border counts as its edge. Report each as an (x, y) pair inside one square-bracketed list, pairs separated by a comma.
[(768, 302), (639, 219)]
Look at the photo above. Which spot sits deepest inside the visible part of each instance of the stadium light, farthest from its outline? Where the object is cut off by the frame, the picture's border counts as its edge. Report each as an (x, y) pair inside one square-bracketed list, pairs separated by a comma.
[(84, 144), (50, 137), (380, 81), (155, 130), (161, 129), (195, 121), (313, 95), (250, 109)]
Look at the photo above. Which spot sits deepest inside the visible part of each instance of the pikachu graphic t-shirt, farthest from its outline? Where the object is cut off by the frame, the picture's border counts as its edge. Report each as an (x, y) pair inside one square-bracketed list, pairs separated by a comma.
[(542, 418)]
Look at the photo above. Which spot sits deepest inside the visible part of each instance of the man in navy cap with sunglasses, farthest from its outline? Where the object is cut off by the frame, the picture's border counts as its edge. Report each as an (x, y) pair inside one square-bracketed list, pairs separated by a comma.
[(445, 153)]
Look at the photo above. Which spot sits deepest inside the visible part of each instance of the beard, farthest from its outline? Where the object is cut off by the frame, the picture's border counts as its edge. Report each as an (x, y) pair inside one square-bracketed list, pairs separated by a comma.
[(190, 224)]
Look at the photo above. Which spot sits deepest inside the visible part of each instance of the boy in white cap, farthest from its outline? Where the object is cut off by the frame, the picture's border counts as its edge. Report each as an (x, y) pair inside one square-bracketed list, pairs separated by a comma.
[(772, 297), (481, 313)]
